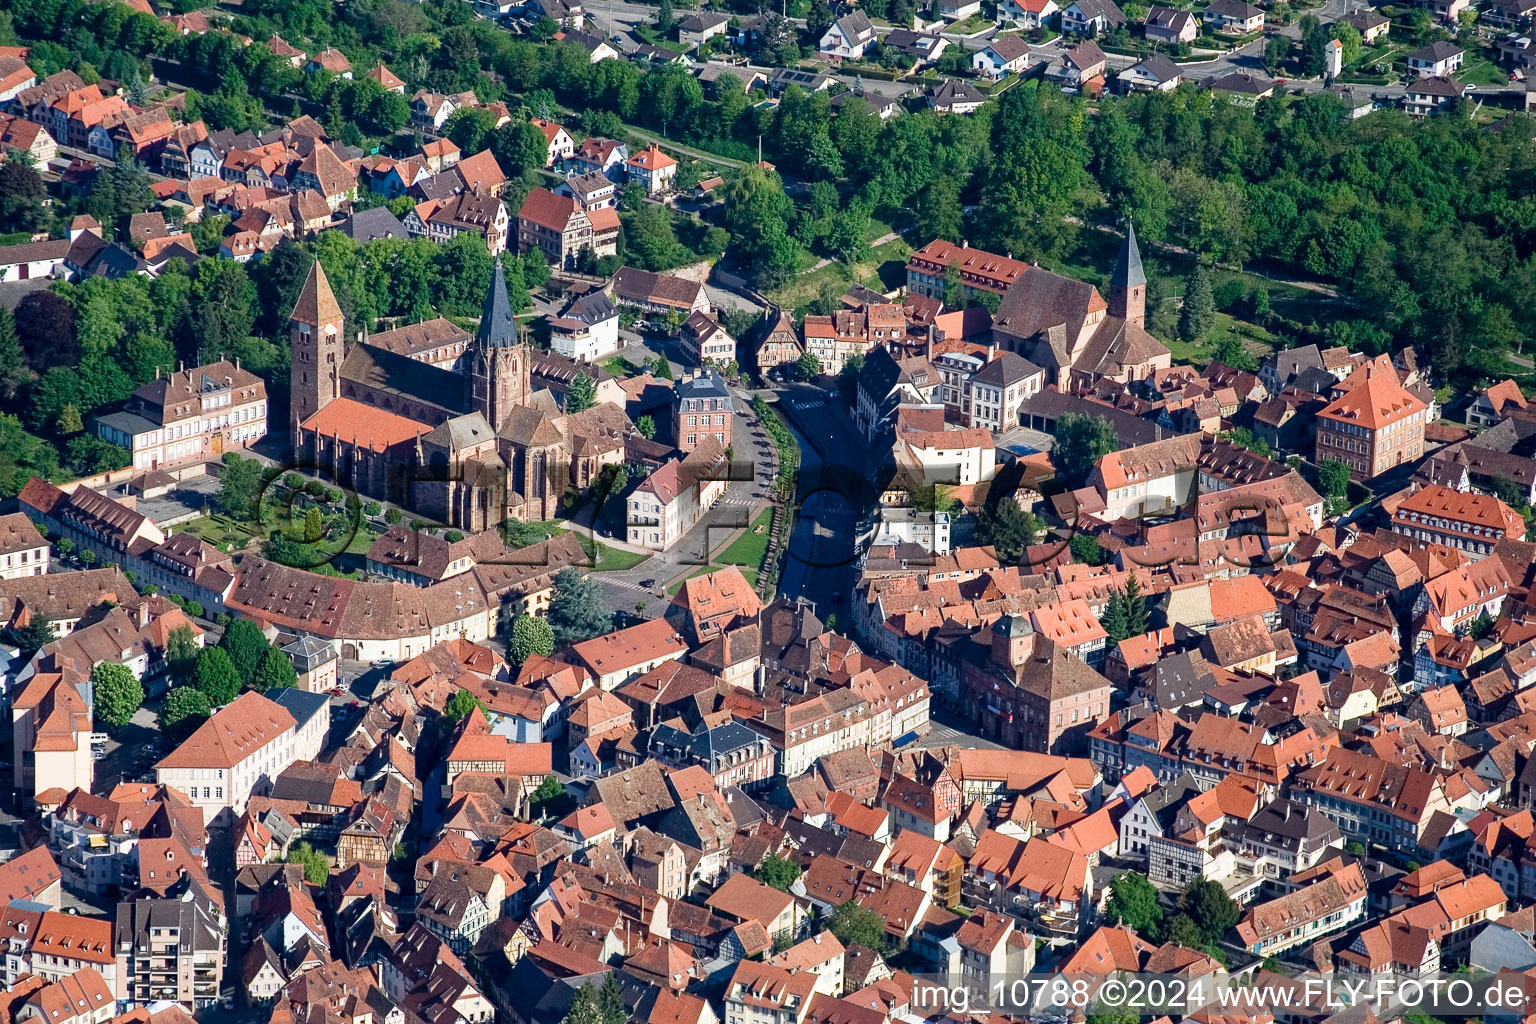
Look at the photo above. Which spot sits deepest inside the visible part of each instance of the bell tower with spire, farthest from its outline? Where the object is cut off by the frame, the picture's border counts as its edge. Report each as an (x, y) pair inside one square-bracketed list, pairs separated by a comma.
[(1128, 288), (499, 370), (315, 330)]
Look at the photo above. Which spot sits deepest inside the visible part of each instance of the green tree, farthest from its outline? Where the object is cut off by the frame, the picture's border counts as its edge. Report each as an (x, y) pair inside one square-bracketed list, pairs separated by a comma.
[(808, 366), (664, 16), (314, 525), (117, 691), (1086, 550), (217, 677), (239, 486), (13, 362), (1080, 442), (38, 632), (1135, 604), (184, 709), (275, 672), (246, 645), (1210, 908), (582, 394), (1114, 620), (853, 924), (661, 369), (460, 705), (470, 128), (520, 146), (1229, 349), (1276, 49), (530, 636), (548, 790), (1198, 313), (317, 866), (583, 1008), (1182, 930), (779, 872), (181, 650), (1008, 528), (69, 419), (610, 1001), (1349, 40), (645, 426), (1333, 475), (758, 212), (576, 610)]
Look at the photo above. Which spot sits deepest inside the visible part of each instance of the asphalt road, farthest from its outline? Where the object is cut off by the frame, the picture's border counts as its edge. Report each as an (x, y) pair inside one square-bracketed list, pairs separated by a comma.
[(835, 498)]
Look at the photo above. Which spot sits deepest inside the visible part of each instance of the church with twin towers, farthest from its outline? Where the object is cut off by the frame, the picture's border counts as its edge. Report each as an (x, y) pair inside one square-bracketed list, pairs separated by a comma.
[(468, 447)]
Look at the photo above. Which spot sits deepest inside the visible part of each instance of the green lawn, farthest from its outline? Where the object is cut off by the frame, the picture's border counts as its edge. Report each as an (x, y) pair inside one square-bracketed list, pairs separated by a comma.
[(611, 559), (620, 367), (883, 270), (216, 529), (521, 535), (1482, 72), (975, 23), (748, 549)]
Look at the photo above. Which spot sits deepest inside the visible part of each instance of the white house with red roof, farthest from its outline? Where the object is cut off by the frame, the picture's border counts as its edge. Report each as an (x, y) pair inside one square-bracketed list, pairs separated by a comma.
[(559, 141), (653, 169)]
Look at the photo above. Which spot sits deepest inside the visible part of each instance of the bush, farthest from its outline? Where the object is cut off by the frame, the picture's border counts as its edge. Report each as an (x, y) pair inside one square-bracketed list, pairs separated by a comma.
[(1229, 294)]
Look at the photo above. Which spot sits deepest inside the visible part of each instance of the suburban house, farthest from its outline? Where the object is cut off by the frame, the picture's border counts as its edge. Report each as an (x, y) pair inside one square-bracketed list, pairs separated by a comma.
[(1241, 87), (1027, 14), (1171, 25), (849, 38), (604, 156), (701, 28), (1078, 67), (1091, 17), (954, 96), (653, 169), (560, 143), (1494, 404), (1003, 56), (1150, 74), (1432, 94), (1438, 58), (587, 329), (704, 340), (958, 10), (1233, 17), (1371, 25)]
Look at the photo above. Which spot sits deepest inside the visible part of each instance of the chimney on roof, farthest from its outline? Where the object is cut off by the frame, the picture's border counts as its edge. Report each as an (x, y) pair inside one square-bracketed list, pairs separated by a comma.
[(965, 243)]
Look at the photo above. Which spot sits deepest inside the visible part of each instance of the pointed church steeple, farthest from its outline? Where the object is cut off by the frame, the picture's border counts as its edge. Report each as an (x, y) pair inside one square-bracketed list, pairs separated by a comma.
[(1128, 288), (315, 336), (316, 305), (498, 328), (500, 366)]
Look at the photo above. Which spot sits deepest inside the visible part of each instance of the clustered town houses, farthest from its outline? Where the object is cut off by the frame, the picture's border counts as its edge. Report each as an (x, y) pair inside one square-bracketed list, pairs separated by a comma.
[(1145, 666)]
